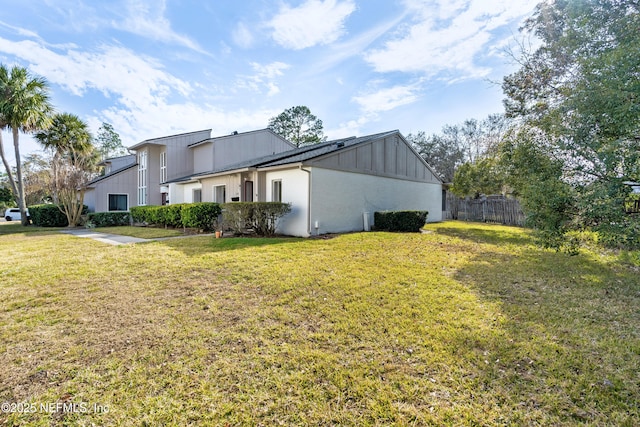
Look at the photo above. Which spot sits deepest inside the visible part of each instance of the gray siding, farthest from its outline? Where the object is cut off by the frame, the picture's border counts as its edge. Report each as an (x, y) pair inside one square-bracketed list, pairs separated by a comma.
[(125, 182), (179, 157), (390, 157), (218, 153), (154, 197), (202, 157), (116, 163)]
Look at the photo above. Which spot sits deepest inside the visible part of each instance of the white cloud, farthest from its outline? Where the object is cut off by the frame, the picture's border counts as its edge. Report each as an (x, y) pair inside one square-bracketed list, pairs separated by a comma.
[(143, 91), (388, 98), (147, 20), (242, 36), (447, 36), (264, 77), (161, 119), (113, 70), (312, 23)]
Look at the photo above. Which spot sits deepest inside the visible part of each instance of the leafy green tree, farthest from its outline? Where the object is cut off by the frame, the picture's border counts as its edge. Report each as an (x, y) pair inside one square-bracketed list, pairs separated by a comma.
[(535, 176), (109, 142), (37, 179), (24, 107), (6, 195), (484, 176), (439, 152), (298, 125), (74, 161), (581, 89), (461, 143)]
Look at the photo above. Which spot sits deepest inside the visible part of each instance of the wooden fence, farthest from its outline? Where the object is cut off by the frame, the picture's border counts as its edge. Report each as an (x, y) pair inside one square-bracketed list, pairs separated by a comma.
[(498, 209)]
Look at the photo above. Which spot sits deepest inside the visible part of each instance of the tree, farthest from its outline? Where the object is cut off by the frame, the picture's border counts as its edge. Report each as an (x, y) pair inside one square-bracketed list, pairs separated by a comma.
[(462, 143), (109, 142), (581, 90), (37, 179), (24, 107), (73, 162), (439, 151), (484, 176), (535, 176), (298, 125), (6, 195)]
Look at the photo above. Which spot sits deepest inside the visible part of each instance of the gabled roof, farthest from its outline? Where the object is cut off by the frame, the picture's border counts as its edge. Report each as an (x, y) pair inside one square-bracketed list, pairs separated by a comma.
[(110, 159), (112, 173), (297, 155), (158, 140), (233, 135)]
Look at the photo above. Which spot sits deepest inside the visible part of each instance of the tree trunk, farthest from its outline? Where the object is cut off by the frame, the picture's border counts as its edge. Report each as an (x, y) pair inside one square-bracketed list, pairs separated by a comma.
[(20, 194), (7, 167)]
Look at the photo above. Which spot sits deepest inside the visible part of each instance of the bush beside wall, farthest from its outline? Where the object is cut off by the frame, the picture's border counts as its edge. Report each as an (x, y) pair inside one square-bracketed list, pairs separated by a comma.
[(49, 216), (261, 217), (109, 219), (202, 215), (192, 215), (404, 221)]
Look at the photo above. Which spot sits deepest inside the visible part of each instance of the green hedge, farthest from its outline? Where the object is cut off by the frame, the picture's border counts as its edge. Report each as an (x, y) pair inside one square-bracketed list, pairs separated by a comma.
[(405, 221), (49, 216), (109, 219), (261, 217), (202, 215), (193, 215)]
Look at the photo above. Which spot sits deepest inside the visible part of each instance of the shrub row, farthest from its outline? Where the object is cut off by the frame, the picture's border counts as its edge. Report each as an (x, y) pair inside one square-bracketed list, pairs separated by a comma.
[(261, 217), (404, 221), (109, 219), (49, 216), (192, 215)]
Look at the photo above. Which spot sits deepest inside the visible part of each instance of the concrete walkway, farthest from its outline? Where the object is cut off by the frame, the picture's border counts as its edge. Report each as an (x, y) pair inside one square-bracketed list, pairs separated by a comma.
[(111, 239), (117, 239)]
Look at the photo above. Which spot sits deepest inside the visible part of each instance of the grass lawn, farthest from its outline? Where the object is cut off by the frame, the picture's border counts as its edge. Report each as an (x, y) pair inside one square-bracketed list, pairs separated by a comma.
[(468, 324), (141, 232)]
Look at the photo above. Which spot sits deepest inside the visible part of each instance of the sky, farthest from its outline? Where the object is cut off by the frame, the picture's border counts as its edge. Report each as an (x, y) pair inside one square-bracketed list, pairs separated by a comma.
[(159, 67)]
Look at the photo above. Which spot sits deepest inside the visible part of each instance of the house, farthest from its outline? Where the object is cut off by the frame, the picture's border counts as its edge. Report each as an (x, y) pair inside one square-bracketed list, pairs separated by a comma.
[(335, 186), (143, 178), (116, 189), (332, 187)]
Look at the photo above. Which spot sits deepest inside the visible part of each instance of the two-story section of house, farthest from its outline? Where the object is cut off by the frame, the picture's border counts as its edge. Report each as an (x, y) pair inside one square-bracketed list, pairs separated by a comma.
[(161, 160), (219, 153), (154, 175)]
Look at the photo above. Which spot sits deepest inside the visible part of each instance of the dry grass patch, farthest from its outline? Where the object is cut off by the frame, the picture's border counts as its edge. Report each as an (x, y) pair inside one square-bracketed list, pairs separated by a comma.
[(469, 324)]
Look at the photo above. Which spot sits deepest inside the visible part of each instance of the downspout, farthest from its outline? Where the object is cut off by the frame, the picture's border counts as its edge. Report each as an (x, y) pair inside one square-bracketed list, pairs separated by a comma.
[(308, 200)]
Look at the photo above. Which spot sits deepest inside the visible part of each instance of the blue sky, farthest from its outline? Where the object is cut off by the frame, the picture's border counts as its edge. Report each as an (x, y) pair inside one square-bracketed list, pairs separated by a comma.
[(153, 68)]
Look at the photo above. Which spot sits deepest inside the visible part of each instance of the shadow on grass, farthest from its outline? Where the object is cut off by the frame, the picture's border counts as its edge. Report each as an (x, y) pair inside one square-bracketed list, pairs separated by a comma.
[(7, 228), (571, 344), (199, 245), (487, 233)]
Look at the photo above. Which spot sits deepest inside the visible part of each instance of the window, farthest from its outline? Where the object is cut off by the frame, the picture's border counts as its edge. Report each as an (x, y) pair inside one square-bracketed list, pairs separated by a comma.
[(118, 202), (276, 191), (219, 194), (163, 167), (142, 178), (197, 195)]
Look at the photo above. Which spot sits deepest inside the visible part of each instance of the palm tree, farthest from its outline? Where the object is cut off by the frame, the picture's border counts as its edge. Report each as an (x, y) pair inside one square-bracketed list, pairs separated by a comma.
[(24, 107), (66, 135), (73, 161)]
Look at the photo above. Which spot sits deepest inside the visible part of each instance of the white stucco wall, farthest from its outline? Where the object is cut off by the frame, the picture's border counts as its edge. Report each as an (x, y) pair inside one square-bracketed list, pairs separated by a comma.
[(182, 193), (339, 199), (295, 187)]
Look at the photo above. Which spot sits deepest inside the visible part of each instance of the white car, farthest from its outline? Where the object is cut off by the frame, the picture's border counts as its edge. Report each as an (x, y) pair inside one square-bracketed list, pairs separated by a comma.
[(13, 214)]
